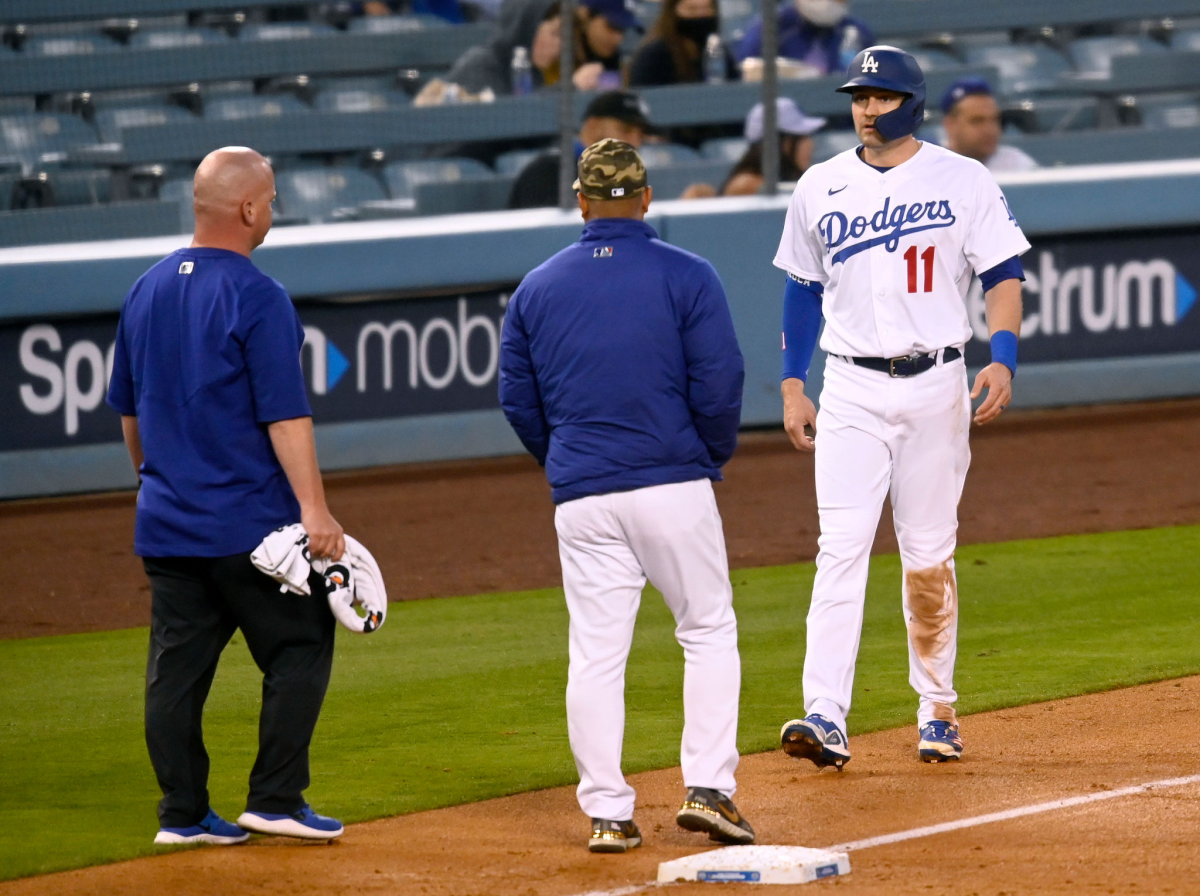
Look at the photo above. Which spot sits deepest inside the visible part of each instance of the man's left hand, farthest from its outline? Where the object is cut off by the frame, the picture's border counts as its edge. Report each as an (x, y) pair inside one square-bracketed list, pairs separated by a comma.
[(997, 379)]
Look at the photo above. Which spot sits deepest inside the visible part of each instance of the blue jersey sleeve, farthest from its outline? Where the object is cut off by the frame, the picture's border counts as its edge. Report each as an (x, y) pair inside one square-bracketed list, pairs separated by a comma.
[(121, 395), (1009, 269), (715, 367), (272, 341), (801, 325), (519, 395)]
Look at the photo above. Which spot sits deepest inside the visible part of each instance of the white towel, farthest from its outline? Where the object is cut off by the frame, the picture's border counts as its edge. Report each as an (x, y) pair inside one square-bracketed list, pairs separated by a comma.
[(353, 581)]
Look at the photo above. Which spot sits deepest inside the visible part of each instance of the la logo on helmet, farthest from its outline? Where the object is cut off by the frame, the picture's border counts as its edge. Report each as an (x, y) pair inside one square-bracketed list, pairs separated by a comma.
[(869, 64)]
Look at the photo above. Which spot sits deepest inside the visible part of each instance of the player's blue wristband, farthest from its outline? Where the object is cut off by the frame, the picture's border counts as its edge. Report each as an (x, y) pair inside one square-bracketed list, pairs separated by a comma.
[(801, 325), (1009, 269), (1004, 349)]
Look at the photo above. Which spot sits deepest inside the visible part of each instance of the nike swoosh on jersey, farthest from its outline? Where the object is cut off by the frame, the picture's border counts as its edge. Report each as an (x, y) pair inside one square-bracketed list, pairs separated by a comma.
[(832, 192)]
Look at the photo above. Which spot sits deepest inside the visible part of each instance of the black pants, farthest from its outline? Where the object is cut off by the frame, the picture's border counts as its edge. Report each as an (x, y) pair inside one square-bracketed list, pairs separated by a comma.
[(196, 605)]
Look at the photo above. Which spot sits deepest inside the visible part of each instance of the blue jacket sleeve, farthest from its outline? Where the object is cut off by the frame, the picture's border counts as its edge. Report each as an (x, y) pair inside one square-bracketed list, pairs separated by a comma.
[(801, 325), (519, 395), (715, 367)]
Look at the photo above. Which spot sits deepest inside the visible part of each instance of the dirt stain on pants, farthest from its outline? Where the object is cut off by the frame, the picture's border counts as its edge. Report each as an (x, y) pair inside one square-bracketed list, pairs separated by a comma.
[(932, 598)]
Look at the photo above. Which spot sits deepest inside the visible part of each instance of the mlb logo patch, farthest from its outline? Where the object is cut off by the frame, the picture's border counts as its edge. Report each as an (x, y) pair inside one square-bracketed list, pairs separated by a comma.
[(186, 267), (602, 252)]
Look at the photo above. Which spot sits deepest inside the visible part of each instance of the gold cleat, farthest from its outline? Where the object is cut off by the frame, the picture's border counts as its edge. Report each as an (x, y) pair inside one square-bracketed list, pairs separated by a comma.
[(614, 836), (713, 813)]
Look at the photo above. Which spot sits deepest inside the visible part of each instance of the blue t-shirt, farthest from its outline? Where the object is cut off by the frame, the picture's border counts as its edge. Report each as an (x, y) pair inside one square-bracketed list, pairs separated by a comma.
[(207, 354)]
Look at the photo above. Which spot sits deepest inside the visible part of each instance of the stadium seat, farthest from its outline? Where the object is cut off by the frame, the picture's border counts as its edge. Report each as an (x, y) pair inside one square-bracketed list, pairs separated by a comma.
[(828, 144), (1046, 114), (359, 100), (669, 182), (44, 137), (175, 38), (1093, 56), (1023, 69), (81, 187), (228, 108), (110, 121), (513, 163), (7, 182), (1186, 41), (70, 45), (286, 31), (932, 60), (394, 24), (663, 155), (315, 194), (1169, 111), (180, 190), (402, 178), (724, 149)]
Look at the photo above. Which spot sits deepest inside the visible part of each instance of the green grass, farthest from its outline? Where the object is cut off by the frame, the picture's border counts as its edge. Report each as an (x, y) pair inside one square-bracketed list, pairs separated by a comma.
[(461, 699)]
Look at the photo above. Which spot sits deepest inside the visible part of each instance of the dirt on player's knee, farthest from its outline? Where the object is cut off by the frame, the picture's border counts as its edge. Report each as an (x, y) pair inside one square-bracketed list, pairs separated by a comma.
[(932, 600)]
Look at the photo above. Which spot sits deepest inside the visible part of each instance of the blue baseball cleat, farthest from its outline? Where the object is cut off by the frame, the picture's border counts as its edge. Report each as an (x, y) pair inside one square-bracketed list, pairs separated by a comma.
[(940, 742), (213, 829), (305, 824), (815, 738)]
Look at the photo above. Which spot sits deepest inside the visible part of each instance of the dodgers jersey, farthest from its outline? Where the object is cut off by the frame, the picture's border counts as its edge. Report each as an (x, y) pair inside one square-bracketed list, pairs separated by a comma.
[(896, 250)]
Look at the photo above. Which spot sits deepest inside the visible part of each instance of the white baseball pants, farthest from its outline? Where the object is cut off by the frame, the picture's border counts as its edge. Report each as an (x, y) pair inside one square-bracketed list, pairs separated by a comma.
[(609, 546), (908, 437)]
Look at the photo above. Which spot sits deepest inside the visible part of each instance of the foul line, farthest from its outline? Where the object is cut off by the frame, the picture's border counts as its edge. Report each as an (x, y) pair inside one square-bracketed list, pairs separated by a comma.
[(974, 821)]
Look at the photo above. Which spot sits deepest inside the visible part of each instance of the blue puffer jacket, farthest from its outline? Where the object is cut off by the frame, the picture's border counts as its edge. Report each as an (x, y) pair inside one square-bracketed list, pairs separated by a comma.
[(619, 366)]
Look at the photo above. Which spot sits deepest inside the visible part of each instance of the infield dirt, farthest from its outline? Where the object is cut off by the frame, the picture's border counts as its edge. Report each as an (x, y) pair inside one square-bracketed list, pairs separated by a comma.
[(533, 844), (480, 526)]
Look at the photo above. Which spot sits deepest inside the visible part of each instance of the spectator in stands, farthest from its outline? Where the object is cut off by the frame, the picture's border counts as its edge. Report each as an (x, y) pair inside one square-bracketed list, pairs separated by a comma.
[(674, 50), (617, 114), (972, 123), (795, 152), (818, 34), (536, 26)]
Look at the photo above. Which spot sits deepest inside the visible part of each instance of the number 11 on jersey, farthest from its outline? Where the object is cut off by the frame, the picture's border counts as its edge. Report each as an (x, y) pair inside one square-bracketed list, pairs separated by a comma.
[(910, 256)]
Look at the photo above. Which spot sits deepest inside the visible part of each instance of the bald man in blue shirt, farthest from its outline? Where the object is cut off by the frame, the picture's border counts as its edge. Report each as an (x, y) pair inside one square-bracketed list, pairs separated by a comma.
[(206, 377)]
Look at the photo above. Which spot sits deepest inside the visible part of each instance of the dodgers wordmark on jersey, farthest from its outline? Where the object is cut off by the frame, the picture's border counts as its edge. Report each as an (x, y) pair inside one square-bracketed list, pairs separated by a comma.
[(896, 250)]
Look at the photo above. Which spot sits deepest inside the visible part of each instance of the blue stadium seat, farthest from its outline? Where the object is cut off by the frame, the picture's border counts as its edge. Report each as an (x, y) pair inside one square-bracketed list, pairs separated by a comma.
[(7, 182), (724, 149), (359, 100), (180, 190), (669, 182), (395, 24), (177, 37), (1186, 41), (1093, 56), (1022, 68), (827, 144), (44, 137), (513, 162), (1169, 111), (228, 108), (70, 45), (664, 155), (17, 105), (81, 187), (286, 31), (402, 178), (932, 60), (1053, 114), (316, 193), (111, 121)]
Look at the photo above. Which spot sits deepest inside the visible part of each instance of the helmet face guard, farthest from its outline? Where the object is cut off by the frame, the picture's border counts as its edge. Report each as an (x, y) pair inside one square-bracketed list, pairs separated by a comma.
[(890, 68)]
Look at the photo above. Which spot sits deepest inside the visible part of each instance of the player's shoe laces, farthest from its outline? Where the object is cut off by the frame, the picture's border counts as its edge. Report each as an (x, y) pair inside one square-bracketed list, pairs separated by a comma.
[(614, 836), (713, 813), (815, 738), (940, 742), (213, 829), (305, 824)]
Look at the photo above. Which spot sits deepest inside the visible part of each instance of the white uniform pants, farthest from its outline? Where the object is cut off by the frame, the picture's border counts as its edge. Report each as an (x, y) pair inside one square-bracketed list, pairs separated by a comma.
[(609, 546), (909, 437)]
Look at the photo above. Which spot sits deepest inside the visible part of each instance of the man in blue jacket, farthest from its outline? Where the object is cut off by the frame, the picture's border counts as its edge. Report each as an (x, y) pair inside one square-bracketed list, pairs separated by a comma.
[(621, 373)]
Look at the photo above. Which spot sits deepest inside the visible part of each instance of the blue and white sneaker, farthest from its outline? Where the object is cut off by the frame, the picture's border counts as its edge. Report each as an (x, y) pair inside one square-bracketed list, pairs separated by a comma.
[(816, 738), (940, 742), (305, 824), (213, 829)]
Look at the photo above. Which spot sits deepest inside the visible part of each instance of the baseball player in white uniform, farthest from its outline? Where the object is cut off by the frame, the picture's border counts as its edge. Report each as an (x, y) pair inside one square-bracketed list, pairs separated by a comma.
[(883, 241)]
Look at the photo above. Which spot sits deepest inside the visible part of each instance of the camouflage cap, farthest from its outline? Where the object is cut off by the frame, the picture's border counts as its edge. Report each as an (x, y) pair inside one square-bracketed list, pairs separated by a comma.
[(610, 169)]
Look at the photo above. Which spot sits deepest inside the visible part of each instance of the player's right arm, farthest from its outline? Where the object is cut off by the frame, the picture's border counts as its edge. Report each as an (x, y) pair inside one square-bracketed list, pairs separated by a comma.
[(801, 258)]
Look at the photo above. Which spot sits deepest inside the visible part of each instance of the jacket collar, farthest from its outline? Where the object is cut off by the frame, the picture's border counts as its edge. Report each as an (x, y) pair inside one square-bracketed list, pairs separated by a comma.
[(610, 228)]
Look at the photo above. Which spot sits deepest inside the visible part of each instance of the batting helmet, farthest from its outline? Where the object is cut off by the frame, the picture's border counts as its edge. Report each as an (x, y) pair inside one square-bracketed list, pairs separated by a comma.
[(890, 68)]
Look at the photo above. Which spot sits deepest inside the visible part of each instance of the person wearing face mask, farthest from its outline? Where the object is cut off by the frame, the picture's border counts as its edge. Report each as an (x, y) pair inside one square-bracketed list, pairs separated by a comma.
[(813, 32), (674, 50)]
